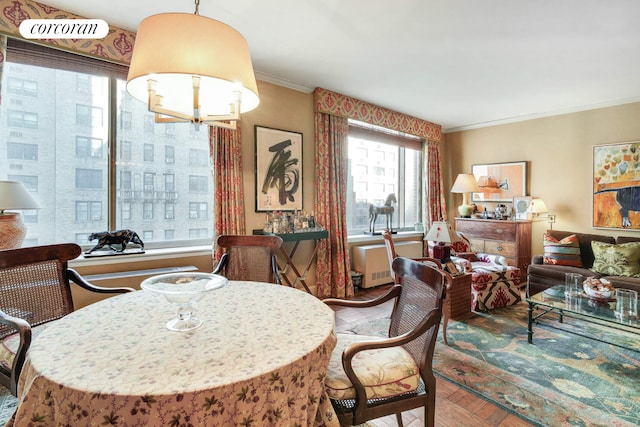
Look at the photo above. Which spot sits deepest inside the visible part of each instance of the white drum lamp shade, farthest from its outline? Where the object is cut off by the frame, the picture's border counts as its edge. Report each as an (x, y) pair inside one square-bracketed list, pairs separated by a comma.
[(13, 195), (465, 183), (192, 68)]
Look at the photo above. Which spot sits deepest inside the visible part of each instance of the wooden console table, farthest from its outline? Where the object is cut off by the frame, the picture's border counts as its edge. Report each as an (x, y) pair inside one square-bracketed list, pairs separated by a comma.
[(296, 238)]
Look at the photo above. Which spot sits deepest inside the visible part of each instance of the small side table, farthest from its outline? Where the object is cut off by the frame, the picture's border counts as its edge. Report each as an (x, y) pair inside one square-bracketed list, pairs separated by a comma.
[(316, 236), (457, 304)]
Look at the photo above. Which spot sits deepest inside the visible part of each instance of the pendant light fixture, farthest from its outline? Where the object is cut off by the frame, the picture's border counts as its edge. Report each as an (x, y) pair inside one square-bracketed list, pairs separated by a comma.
[(190, 68)]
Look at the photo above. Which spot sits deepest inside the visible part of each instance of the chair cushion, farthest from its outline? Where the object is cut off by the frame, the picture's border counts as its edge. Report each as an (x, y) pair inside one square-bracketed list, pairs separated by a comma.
[(384, 372), (616, 260), (562, 252)]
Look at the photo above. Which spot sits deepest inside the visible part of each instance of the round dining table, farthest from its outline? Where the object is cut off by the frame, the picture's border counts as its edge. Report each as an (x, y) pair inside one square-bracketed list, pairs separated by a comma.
[(259, 359)]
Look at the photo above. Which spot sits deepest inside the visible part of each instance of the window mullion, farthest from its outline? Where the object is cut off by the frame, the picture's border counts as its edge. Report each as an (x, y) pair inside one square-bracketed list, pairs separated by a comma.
[(112, 136)]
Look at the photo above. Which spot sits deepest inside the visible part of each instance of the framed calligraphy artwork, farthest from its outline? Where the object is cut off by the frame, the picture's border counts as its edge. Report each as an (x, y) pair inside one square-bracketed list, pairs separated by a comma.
[(278, 169)]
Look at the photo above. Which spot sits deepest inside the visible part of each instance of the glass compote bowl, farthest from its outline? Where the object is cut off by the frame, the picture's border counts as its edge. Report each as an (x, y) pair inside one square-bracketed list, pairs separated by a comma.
[(183, 290)]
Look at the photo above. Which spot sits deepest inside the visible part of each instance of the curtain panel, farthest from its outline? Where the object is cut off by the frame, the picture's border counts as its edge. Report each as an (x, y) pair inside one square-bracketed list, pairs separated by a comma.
[(328, 103), (333, 268), (226, 154)]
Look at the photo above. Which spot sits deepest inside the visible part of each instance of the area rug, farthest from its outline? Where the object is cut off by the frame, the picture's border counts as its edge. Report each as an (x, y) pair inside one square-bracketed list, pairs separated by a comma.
[(562, 379)]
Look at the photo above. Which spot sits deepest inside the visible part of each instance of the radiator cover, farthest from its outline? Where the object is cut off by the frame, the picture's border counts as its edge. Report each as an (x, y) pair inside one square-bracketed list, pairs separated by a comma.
[(373, 263)]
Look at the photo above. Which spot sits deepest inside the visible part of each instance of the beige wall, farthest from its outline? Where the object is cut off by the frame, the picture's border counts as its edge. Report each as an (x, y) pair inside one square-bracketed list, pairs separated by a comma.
[(559, 152)]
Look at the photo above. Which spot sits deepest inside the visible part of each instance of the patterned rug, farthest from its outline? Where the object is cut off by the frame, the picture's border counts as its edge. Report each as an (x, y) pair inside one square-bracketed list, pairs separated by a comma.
[(561, 380), (8, 405)]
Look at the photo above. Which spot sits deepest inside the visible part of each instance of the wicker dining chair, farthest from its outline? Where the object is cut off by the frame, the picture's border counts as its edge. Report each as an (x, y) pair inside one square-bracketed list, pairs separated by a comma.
[(34, 290), (251, 257), (397, 375)]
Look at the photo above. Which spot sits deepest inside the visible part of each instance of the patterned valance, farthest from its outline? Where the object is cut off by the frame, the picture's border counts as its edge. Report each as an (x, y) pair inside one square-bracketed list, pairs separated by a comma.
[(116, 47), (336, 104)]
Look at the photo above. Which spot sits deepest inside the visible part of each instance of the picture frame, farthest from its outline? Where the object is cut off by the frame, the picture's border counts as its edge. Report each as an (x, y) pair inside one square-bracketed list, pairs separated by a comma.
[(500, 182), (278, 169), (521, 207), (616, 186), (451, 268)]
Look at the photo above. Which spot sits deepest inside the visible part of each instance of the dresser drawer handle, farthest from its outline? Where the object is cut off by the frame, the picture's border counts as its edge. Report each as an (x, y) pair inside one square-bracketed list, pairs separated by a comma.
[(499, 230), (499, 248)]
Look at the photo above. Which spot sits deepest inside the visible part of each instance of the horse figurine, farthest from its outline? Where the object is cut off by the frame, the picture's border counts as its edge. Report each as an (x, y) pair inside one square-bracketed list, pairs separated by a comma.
[(387, 210)]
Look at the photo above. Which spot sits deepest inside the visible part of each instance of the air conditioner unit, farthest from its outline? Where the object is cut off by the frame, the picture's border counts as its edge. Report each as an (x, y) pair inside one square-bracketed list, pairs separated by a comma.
[(373, 263)]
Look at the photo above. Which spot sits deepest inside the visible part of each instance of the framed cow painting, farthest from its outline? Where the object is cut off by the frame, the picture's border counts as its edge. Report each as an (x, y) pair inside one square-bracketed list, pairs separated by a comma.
[(616, 185)]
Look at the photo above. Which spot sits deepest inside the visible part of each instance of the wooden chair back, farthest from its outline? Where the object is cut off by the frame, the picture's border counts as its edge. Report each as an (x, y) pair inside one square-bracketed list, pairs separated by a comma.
[(251, 258)]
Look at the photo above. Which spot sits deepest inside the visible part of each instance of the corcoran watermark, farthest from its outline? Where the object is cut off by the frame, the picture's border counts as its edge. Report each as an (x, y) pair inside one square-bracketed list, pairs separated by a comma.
[(64, 29)]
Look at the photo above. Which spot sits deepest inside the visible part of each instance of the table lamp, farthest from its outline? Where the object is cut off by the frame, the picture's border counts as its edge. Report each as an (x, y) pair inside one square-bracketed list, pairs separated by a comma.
[(13, 195), (442, 233), (538, 208), (465, 183)]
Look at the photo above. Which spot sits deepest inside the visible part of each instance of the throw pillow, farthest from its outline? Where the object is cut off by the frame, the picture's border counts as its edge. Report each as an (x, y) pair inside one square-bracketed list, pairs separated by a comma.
[(616, 260), (562, 252)]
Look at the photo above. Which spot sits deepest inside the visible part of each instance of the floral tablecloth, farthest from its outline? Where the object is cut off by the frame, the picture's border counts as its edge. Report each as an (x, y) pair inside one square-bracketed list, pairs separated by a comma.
[(259, 359)]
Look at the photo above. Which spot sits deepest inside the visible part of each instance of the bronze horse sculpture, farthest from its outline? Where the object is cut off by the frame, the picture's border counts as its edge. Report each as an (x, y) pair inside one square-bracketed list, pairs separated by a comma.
[(387, 210)]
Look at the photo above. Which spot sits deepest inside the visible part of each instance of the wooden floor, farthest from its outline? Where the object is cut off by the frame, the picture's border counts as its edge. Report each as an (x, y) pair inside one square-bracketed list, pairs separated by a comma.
[(455, 407)]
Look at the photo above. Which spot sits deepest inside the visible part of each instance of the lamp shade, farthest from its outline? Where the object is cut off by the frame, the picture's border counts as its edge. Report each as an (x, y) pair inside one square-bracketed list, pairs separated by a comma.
[(537, 206), (442, 231), (14, 195), (465, 183), (172, 48)]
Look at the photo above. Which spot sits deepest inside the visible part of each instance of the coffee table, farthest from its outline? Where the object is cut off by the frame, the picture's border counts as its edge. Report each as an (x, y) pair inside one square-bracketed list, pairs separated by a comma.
[(580, 307)]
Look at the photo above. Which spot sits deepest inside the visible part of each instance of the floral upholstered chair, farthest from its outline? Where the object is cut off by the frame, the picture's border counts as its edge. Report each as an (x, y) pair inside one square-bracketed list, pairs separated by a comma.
[(494, 283)]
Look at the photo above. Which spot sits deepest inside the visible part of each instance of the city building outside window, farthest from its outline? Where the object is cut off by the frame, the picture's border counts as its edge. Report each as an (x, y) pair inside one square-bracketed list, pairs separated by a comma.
[(59, 147), (381, 162)]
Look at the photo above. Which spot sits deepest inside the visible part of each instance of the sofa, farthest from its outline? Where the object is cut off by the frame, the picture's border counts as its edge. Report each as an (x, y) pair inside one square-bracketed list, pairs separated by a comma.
[(548, 270)]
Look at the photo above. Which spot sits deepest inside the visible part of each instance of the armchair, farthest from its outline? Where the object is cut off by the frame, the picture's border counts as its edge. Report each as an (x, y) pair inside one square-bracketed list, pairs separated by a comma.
[(34, 290), (494, 283), (371, 377)]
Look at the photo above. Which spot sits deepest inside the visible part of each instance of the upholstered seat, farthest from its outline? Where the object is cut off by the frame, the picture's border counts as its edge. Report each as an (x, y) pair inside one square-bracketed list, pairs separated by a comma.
[(370, 376), (494, 284)]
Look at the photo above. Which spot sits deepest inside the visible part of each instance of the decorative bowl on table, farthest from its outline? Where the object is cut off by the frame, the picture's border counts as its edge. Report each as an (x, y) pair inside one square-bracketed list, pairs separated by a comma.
[(598, 288), (184, 290)]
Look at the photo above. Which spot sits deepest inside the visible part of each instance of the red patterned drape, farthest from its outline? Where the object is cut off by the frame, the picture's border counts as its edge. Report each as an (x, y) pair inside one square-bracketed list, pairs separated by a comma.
[(333, 278), (117, 46), (3, 55), (226, 157), (335, 104), (433, 201)]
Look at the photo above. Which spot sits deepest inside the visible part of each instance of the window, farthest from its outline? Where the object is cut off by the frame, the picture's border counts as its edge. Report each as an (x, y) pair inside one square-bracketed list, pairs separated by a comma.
[(382, 162), (169, 211), (147, 210), (125, 150), (88, 211), (88, 147), (169, 154), (169, 234), (59, 147), (17, 86), (198, 157), (29, 181), (22, 119), (147, 235), (198, 184), (148, 152), (20, 151), (149, 180), (198, 210), (88, 178), (88, 115)]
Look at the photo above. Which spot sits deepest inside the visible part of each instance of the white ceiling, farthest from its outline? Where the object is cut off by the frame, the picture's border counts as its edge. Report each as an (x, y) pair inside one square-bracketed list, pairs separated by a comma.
[(458, 63)]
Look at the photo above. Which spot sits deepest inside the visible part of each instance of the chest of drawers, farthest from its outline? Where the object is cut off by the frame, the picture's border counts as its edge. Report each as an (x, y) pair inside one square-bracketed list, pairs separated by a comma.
[(510, 239)]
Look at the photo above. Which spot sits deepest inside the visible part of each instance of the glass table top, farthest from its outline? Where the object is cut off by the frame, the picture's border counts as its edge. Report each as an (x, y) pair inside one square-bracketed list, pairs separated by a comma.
[(583, 306)]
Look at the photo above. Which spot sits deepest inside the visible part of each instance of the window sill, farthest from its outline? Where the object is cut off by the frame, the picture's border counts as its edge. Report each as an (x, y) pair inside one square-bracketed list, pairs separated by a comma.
[(148, 255), (401, 235)]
